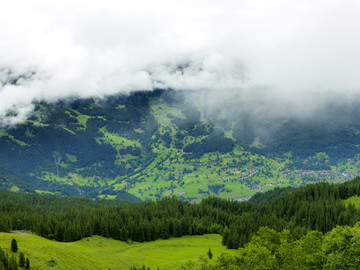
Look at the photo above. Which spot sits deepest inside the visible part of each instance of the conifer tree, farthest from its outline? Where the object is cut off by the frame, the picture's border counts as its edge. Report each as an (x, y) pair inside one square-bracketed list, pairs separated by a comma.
[(2, 256), (13, 263), (14, 247), (225, 236), (21, 259), (164, 231), (6, 261), (210, 254), (27, 265), (67, 235)]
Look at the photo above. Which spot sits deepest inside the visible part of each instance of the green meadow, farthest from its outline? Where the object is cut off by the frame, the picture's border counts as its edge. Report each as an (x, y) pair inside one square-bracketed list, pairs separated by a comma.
[(355, 200), (104, 253)]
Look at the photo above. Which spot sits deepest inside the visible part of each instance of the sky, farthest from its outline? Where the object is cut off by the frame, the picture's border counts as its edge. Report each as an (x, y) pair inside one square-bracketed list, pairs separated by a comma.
[(51, 50)]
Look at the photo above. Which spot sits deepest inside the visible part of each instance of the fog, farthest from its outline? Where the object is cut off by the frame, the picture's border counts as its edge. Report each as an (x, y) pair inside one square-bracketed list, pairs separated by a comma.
[(298, 53)]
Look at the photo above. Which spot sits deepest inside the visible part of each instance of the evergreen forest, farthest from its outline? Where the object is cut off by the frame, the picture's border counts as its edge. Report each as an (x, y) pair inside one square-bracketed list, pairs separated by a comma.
[(317, 207)]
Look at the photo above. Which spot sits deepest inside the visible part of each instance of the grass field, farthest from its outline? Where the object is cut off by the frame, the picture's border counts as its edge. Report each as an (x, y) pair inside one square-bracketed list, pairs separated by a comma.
[(102, 253), (355, 200)]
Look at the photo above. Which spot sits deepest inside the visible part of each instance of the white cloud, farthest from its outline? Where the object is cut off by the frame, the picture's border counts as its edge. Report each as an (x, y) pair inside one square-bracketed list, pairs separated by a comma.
[(96, 48)]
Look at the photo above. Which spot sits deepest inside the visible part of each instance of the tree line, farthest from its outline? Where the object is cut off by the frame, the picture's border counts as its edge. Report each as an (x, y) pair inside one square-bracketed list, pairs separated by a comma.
[(315, 207), (268, 249)]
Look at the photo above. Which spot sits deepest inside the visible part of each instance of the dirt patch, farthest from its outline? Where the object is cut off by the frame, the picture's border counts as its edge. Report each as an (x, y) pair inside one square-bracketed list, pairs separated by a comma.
[(21, 232)]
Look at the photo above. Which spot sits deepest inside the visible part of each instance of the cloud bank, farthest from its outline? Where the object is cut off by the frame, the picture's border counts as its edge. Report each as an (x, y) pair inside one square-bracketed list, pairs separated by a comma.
[(53, 50)]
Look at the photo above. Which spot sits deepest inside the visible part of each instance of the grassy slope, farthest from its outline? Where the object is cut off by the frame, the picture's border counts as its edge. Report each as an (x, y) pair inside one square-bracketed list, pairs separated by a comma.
[(102, 253), (354, 200)]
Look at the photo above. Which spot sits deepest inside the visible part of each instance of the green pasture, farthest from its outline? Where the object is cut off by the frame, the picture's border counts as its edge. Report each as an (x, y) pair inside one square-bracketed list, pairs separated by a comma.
[(103, 253)]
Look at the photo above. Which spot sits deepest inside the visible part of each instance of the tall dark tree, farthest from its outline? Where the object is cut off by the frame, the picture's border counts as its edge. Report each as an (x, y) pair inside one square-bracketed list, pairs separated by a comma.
[(13, 263), (14, 246), (21, 259), (209, 253), (27, 265)]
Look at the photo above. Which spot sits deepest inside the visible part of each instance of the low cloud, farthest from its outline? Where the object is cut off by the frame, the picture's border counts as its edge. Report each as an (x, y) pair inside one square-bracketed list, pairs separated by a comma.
[(295, 50)]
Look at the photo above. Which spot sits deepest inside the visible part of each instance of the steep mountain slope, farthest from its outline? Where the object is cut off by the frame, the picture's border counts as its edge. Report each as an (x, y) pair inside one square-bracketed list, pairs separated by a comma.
[(11, 181), (160, 143)]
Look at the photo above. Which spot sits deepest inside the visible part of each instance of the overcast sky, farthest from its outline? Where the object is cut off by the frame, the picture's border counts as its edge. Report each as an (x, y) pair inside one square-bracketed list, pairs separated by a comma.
[(94, 48)]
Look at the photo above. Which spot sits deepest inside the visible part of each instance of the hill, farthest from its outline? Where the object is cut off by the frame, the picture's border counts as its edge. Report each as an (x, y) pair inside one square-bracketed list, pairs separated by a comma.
[(161, 143), (314, 207), (102, 253), (309, 220)]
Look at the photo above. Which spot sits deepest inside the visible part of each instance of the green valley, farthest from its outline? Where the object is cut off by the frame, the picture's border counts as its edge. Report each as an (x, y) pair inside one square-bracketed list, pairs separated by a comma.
[(190, 135), (161, 143)]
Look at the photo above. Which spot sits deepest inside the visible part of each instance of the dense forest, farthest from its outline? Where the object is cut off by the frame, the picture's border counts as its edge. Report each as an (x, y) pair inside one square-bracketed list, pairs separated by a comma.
[(314, 207)]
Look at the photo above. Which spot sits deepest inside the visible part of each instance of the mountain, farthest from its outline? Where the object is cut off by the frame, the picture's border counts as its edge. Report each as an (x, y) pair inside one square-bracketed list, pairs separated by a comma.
[(11, 181), (164, 142)]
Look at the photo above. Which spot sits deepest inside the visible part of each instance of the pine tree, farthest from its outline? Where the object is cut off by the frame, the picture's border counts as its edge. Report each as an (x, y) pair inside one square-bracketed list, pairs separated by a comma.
[(59, 232), (14, 247), (2, 256), (147, 231), (21, 260), (225, 236), (210, 254), (123, 235), (13, 263), (6, 261), (27, 265), (67, 235), (164, 230)]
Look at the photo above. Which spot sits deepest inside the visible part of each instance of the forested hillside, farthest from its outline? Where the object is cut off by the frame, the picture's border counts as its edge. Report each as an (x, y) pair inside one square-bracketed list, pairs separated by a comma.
[(11, 181), (315, 226), (315, 207), (165, 143)]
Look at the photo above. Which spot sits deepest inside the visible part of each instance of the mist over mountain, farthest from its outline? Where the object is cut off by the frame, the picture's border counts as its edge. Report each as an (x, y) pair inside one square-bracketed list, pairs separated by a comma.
[(180, 123), (186, 98), (299, 53)]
